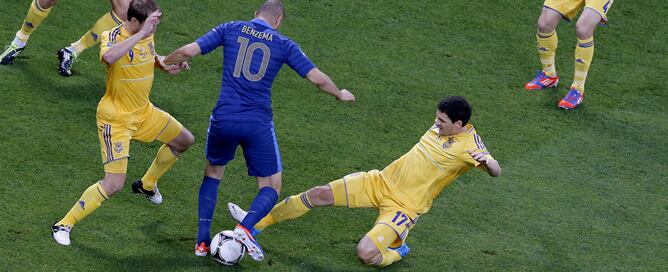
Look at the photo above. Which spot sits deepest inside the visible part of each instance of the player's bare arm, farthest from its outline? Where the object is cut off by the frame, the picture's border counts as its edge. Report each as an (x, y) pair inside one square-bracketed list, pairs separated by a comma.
[(490, 165), (326, 84), (119, 50), (183, 54)]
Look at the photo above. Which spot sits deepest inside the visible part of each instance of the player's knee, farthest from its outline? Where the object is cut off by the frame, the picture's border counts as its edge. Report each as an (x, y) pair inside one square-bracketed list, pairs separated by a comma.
[(183, 142), (113, 183), (583, 30), (368, 254), (321, 195), (545, 25)]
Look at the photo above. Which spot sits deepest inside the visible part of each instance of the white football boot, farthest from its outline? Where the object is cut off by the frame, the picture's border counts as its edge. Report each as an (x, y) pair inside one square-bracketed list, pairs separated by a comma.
[(153, 196), (61, 234), (236, 212), (253, 248)]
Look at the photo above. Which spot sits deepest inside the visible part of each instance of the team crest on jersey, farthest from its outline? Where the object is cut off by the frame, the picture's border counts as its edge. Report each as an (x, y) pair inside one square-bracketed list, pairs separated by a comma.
[(151, 48), (118, 147), (449, 142)]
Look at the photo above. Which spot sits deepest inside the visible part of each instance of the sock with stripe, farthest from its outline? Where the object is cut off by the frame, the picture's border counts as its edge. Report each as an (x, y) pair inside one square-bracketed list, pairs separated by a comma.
[(547, 48), (34, 18), (290, 208), (262, 204), (584, 53), (164, 160), (108, 21), (208, 194), (90, 200)]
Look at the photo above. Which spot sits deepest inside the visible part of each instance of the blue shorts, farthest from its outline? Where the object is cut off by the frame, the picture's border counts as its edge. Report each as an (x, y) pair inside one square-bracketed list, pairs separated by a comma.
[(257, 140)]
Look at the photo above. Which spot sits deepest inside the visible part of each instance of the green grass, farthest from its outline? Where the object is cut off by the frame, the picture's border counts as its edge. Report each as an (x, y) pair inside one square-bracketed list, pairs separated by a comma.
[(581, 191)]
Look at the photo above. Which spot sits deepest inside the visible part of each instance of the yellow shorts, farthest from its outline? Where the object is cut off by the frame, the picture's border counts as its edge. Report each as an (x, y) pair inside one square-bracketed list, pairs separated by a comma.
[(115, 137), (570, 8), (369, 190)]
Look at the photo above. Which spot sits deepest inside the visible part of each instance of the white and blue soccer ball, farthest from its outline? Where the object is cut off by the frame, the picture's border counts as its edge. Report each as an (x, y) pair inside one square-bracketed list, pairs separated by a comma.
[(225, 250)]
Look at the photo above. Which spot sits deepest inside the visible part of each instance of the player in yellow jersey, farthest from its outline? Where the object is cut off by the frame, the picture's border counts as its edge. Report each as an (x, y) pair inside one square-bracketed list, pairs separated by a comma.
[(40, 9), (402, 191), (125, 113), (594, 12)]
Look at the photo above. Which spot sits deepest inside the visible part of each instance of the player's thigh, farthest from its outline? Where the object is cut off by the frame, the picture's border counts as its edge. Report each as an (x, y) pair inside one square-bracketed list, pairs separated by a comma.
[(601, 7), (397, 218), (114, 146), (222, 140), (567, 8), (357, 190), (157, 125), (261, 151)]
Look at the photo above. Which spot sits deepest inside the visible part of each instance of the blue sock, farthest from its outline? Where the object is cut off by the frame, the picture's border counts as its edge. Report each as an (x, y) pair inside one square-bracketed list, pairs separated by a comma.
[(262, 204), (208, 192)]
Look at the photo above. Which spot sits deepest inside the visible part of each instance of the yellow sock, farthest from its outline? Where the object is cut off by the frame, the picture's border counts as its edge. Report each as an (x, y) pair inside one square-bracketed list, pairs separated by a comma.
[(108, 21), (290, 208), (90, 200), (383, 237), (584, 53), (162, 162), (33, 19), (547, 48)]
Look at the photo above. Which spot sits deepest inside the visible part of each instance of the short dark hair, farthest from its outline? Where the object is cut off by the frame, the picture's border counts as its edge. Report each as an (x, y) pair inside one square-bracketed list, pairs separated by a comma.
[(456, 108), (141, 9), (273, 8)]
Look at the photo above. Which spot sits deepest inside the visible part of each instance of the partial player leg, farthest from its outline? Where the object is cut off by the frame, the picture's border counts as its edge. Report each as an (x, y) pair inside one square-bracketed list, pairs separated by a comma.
[(68, 55), (90, 200), (297, 205), (374, 248), (175, 138), (38, 11), (208, 194), (546, 40), (584, 53), (221, 145)]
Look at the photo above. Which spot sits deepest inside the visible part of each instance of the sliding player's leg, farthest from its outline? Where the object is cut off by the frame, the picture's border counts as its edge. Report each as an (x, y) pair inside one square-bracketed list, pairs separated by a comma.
[(385, 243)]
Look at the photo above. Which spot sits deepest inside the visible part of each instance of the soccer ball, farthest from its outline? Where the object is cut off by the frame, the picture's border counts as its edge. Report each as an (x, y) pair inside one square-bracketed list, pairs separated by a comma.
[(225, 250)]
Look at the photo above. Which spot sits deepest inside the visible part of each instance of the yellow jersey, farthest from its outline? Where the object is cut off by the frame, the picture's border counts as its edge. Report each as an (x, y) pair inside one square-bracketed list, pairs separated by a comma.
[(420, 175), (129, 79)]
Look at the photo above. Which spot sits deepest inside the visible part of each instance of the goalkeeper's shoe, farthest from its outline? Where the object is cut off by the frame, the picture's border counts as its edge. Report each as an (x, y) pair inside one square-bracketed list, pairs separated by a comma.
[(201, 249), (572, 99), (61, 234), (153, 196), (239, 214), (403, 250), (66, 58), (10, 53), (253, 248), (542, 81)]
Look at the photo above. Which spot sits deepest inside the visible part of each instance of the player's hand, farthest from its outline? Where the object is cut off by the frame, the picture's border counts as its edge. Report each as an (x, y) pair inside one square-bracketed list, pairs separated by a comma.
[(346, 96), (480, 157), (177, 68), (151, 23)]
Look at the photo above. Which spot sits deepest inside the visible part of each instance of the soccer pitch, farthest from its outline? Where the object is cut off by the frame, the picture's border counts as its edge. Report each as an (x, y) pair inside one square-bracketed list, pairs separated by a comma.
[(582, 190)]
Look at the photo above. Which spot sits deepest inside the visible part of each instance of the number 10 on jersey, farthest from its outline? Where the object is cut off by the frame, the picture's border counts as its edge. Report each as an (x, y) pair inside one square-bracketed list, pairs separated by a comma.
[(245, 57)]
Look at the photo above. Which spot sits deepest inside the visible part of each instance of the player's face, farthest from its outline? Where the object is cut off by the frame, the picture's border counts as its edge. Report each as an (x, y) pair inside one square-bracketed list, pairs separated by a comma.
[(445, 125)]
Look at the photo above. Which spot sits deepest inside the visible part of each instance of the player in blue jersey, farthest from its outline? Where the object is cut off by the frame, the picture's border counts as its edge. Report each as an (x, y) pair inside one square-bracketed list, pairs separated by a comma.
[(254, 52)]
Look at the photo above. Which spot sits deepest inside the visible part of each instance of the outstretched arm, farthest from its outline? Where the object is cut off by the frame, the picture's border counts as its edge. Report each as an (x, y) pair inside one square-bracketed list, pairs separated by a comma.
[(119, 50), (183, 54), (487, 162), (320, 79)]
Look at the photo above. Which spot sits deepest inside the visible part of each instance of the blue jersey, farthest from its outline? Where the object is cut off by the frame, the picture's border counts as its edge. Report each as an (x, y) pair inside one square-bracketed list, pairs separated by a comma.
[(253, 54)]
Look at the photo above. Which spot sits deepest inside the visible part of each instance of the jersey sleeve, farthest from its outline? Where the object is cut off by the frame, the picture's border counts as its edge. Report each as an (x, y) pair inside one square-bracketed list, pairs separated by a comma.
[(297, 60), (212, 39), (108, 39), (477, 146)]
